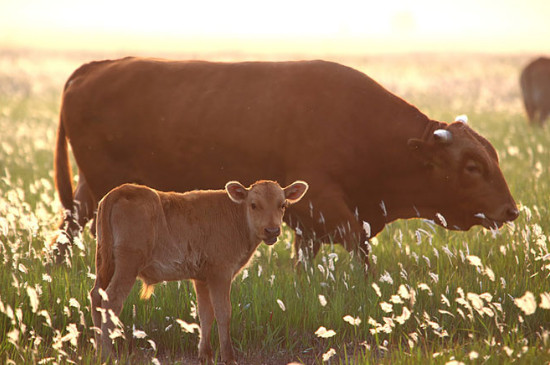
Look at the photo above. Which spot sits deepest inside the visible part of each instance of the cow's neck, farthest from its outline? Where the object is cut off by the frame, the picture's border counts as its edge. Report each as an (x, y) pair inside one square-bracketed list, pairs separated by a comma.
[(406, 192)]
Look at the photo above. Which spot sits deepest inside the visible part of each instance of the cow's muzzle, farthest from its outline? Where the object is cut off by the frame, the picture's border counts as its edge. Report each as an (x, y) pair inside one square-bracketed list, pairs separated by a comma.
[(507, 215)]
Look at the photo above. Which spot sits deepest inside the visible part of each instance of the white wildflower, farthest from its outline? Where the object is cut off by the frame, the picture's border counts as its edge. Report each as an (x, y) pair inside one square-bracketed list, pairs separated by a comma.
[(404, 316), (74, 303), (322, 300), (434, 277), (72, 335), (386, 278), (441, 219), (527, 303), (396, 299), (425, 287), (403, 292), (327, 355), (33, 297), (47, 278), (103, 295), (353, 321), (376, 289), (139, 334), (490, 273), (44, 313), (474, 260), (545, 301), (324, 333), (508, 351), (13, 336), (281, 304), (188, 327), (386, 307), (366, 228)]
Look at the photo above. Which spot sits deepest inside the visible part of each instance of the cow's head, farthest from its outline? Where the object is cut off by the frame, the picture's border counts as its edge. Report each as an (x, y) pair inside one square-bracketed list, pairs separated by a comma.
[(265, 203), (462, 179)]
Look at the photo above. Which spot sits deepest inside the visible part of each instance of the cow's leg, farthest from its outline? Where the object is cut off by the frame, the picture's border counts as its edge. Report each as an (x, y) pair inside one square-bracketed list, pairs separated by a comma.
[(331, 220), (220, 289), (124, 277), (529, 108), (309, 248), (73, 223), (544, 114), (84, 201), (206, 317)]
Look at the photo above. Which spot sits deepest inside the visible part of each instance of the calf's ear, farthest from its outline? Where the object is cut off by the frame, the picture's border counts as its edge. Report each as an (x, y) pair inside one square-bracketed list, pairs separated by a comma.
[(295, 191), (236, 191)]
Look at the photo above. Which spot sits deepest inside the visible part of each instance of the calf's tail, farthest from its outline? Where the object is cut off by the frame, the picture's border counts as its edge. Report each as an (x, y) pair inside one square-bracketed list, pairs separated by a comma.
[(146, 290), (104, 259)]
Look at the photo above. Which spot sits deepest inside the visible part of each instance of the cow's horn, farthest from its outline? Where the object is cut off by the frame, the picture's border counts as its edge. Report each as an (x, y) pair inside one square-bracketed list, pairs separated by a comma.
[(463, 118), (443, 136)]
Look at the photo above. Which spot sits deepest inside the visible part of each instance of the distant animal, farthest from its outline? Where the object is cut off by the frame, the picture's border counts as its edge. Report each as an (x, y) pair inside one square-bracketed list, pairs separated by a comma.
[(369, 157), (206, 236), (535, 86)]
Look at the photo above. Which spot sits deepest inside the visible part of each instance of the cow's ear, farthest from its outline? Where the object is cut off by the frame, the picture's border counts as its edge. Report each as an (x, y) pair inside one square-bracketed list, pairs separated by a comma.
[(420, 149), (415, 144), (236, 191), (295, 191)]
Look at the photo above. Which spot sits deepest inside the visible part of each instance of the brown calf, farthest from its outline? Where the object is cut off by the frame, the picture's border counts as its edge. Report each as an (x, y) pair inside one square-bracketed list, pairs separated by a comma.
[(207, 236)]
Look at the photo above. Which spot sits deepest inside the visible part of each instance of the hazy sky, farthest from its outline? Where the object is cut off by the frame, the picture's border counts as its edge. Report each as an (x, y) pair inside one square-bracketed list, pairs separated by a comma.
[(281, 25)]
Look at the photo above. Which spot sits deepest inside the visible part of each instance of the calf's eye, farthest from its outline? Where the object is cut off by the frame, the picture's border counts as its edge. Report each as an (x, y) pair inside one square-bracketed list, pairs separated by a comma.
[(253, 206)]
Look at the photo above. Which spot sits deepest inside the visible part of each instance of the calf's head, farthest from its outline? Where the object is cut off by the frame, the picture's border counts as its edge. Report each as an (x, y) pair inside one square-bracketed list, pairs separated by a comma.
[(462, 179), (265, 203)]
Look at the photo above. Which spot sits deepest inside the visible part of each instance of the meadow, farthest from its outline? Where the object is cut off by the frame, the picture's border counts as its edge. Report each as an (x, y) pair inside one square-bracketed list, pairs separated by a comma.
[(433, 296)]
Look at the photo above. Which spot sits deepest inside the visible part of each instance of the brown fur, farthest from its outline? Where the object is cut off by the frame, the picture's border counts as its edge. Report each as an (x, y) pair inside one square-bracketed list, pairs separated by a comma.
[(535, 86), (205, 236), (182, 125)]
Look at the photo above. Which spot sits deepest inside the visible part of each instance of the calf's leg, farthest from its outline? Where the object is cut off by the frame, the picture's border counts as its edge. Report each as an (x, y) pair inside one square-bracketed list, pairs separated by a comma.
[(206, 317), (95, 299), (220, 289), (126, 272)]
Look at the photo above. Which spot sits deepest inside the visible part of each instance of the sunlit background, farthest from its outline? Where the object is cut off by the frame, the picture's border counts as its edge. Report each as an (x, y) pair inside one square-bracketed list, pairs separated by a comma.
[(278, 26)]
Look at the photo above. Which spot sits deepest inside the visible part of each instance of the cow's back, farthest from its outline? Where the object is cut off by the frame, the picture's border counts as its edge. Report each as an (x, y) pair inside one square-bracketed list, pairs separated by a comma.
[(185, 125)]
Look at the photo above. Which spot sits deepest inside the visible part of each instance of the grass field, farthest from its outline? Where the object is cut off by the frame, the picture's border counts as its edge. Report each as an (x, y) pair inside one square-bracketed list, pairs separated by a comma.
[(434, 296)]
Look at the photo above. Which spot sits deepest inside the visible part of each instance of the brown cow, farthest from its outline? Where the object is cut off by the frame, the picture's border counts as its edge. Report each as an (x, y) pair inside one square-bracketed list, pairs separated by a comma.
[(205, 236), (368, 155), (535, 86)]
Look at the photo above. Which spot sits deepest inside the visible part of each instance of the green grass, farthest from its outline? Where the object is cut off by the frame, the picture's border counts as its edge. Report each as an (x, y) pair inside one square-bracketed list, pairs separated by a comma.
[(459, 288)]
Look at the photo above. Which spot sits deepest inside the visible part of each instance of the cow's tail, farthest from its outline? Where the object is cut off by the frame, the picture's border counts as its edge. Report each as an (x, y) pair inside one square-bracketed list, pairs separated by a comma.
[(104, 259), (68, 227), (62, 167)]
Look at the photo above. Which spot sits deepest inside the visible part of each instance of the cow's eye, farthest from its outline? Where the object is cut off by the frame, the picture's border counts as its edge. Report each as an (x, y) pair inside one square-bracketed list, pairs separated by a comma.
[(472, 167), (253, 205)]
